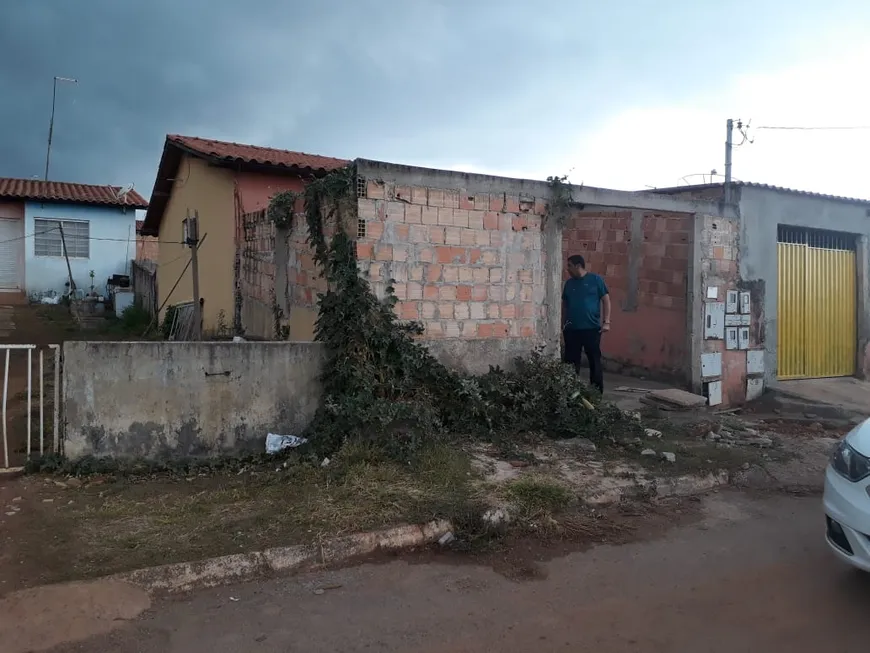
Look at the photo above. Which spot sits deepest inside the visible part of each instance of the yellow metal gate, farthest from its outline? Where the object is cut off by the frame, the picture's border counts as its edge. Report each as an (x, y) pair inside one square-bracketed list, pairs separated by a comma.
[(816, 307)]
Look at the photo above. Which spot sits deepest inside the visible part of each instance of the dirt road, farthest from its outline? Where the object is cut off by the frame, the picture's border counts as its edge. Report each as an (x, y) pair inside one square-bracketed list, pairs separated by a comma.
[(752, 575)]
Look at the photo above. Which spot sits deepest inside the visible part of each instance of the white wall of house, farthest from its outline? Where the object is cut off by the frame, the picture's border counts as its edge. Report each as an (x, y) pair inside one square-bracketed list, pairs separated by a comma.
[(102, 239)]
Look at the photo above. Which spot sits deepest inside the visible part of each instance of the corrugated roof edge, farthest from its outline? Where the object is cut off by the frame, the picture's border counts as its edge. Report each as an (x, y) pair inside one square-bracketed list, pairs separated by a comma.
[(751, 184)]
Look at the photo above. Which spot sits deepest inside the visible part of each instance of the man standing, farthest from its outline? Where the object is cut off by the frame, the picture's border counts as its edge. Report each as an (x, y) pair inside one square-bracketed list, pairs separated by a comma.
[(584, 299)]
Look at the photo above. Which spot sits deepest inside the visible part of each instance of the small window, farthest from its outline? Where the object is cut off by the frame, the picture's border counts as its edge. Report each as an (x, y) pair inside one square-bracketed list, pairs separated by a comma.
[(47, 240)]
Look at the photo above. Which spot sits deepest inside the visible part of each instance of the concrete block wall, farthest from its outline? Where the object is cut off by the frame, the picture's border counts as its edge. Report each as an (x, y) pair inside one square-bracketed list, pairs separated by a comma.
[(466, 265), (643, 257)]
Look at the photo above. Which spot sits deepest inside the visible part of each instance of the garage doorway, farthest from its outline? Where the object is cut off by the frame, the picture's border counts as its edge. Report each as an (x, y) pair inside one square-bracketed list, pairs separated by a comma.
[(816, 304)]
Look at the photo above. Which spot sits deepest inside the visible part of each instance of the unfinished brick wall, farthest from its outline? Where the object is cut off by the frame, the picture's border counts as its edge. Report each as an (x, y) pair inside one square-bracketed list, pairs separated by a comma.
[(257, 260), (465, 266), (303, 274), (644, 260), (719, 251)]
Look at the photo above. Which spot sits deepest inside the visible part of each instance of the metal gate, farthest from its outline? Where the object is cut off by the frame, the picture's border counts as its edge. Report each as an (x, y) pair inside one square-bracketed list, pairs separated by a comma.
[(33, 439), (816, 305)]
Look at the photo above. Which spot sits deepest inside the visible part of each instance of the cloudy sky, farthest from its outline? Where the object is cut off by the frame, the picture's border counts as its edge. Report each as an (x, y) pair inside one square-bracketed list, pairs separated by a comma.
[(626, 94)]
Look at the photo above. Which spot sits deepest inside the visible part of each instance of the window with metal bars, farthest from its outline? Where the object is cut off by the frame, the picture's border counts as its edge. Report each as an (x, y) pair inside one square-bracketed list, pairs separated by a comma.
[(47, 240), (817, 238)]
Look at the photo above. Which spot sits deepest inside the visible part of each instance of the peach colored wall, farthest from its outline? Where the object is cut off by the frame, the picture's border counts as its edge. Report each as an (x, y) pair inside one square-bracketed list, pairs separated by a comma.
[(12, 210)]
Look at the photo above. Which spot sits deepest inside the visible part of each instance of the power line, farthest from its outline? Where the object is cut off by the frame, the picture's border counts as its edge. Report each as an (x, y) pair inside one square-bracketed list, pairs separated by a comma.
[(800, 128), (115, 240)]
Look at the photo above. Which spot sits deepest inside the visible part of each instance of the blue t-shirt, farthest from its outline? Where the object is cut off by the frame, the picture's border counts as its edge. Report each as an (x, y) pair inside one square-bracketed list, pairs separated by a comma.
[(582, 299)]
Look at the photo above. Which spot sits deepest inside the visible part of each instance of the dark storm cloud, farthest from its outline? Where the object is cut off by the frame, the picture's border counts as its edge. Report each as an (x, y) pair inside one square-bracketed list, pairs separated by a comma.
[(482, 82)]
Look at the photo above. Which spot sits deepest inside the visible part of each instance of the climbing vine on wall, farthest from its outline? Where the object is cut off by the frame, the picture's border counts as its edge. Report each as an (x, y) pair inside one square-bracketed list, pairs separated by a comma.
[(561, 199), (281, 208), (381, 384)]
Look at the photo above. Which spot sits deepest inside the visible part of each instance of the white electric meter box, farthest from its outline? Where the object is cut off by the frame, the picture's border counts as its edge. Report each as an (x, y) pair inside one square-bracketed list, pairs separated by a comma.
[(714, 320)]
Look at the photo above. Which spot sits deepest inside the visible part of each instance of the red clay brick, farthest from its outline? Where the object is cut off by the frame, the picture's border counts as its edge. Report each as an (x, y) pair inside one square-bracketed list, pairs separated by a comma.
[(508, 311), (490, 220), (419, 195), (527, 331), (460, 218), (447, 293), (466, 201), (429, 215), (384, 253), (374, 230), (375, 190), (413, 214), (443, 254), (485, 330), (496, 202), (445, 217), (434, 329), (410, 311), (433, 274), (500, 330), (478, 293), (364, 251), (430, 292), (426, 254), (437, 235), (505, 221), (418, 234), (475, 219), (512, 204), (463, 293)]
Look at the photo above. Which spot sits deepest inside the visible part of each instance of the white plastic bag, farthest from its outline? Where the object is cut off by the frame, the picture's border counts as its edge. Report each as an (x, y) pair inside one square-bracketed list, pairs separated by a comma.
[(275, 443)]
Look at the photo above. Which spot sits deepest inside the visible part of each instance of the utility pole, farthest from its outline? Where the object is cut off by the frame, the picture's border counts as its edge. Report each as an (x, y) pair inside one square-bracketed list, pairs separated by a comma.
[(191, 239), (51, 123), (728, 148), (72, 283)]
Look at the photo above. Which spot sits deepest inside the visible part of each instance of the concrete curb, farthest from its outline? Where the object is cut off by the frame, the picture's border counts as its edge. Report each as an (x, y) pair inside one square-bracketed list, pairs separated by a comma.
[(187, 576), (659, 487)]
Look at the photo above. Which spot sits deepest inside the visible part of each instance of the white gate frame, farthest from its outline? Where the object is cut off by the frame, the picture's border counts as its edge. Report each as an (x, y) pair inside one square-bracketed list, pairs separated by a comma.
[(7, 349)]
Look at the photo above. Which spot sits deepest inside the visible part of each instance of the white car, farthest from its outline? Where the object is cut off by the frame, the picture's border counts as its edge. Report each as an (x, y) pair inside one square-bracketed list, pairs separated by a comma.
[(847, 498)]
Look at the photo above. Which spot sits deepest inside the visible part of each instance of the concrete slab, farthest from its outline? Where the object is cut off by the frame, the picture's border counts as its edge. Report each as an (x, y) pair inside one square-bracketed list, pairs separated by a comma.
[(846, 392)]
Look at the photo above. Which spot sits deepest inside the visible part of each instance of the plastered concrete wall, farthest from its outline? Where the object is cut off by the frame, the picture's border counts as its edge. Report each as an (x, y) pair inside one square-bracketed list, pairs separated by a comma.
[(762, 210), (643, 257), (175, 399), (112, 231)]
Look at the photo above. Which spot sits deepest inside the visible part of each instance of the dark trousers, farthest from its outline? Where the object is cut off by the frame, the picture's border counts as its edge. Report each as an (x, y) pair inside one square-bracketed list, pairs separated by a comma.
[(578, 340)]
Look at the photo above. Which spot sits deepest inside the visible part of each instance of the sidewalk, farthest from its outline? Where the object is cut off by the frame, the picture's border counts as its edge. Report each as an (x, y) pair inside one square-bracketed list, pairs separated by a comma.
[(846, 392)]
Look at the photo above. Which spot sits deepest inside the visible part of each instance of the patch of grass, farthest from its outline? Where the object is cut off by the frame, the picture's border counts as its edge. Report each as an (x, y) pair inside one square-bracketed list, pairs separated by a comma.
[(125, 524), (536, 495)]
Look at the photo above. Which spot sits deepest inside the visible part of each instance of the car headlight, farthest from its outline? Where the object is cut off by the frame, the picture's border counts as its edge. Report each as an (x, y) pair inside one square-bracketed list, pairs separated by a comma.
[(850, 464)]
